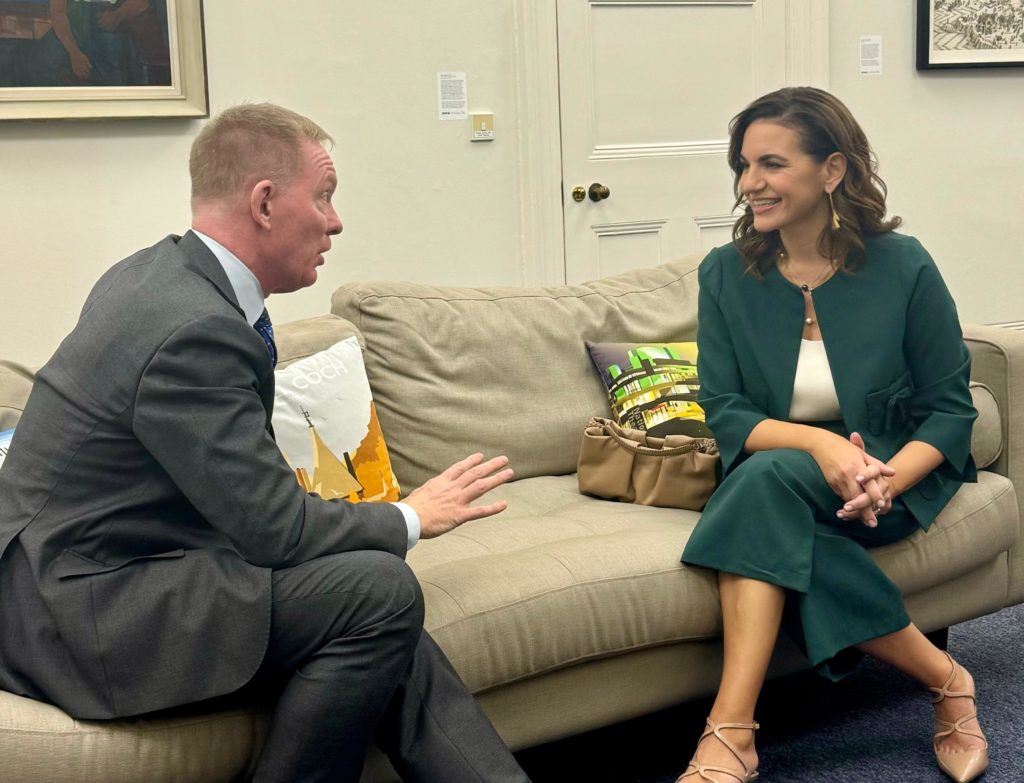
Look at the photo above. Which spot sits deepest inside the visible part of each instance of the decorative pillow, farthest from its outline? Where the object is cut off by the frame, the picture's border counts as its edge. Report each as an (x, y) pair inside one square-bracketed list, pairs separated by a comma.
[(5, 444), (326, 426), (652, 387)]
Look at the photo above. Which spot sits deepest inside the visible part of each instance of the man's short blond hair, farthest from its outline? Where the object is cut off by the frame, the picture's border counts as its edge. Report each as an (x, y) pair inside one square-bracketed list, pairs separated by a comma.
[(248, 143)]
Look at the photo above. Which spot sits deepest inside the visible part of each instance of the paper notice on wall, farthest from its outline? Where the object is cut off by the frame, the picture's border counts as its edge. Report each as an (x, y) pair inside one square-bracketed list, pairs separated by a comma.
[(871, 55), (452, 102)]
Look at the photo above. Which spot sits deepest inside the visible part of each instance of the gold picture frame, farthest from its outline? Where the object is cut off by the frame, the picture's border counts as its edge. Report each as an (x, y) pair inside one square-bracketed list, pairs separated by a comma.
[(49, 71)]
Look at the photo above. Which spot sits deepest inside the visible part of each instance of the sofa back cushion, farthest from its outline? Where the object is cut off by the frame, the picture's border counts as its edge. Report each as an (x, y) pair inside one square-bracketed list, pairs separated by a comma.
[(504, 370), (308, 336)]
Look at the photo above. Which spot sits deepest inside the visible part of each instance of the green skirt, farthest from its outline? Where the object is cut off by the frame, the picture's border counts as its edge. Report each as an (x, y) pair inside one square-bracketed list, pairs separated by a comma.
[(774, 519)]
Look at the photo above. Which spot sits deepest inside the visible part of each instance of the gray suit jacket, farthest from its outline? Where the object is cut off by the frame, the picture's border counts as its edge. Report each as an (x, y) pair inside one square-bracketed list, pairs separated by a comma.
[(144, 503)]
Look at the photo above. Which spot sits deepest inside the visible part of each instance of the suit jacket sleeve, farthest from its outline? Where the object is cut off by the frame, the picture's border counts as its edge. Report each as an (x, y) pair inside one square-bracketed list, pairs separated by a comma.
[(940, 368), (730, 414), (199, 412)]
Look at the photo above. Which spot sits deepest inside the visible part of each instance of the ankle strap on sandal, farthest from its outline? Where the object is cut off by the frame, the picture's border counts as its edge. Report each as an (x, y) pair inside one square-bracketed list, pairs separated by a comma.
[(944, 691), (750, 726)]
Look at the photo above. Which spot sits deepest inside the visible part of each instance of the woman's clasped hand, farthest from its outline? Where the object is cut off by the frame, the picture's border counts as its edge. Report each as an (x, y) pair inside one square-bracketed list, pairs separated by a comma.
[(863, 482)]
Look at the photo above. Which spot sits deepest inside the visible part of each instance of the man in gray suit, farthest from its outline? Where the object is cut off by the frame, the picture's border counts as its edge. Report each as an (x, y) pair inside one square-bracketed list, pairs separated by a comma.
[(155, 548)]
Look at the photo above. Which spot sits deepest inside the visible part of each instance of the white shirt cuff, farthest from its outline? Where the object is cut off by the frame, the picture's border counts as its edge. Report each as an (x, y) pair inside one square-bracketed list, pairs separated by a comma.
[(412, 521)]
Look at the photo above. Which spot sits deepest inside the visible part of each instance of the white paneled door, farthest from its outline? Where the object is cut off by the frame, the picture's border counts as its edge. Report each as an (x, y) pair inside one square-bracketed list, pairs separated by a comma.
[(646, 93)]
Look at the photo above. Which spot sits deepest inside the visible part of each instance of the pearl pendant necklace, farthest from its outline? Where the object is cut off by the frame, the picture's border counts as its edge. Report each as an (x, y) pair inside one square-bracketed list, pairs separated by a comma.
[(807, 288)]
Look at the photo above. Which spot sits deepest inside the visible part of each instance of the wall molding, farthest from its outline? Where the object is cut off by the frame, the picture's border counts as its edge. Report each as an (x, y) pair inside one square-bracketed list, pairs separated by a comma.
[(632, 227), (807, 47), (704, 222), (542, 231), (675, 149), (714, 221), (625, 229)]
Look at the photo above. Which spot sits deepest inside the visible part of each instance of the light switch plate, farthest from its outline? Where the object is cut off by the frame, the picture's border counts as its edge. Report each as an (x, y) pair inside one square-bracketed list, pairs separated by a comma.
[(481, 127)]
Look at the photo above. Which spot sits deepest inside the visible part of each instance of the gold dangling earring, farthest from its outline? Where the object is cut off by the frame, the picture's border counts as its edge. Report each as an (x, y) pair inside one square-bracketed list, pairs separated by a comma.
[(835, 215)]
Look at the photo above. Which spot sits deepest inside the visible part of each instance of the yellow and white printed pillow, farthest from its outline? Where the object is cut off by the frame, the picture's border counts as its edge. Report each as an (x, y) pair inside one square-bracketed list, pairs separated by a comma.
[(326, 426)]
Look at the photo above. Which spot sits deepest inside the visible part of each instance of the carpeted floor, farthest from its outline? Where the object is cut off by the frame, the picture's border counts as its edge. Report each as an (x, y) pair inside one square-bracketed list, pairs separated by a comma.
[(873, 727)]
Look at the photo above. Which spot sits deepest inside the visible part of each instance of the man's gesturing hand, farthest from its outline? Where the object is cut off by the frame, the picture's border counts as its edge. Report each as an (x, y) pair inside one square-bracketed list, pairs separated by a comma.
[(443, 503)]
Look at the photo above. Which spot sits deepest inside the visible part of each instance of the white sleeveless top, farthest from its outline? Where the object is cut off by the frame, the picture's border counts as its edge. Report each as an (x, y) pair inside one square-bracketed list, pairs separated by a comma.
[(814, 391)]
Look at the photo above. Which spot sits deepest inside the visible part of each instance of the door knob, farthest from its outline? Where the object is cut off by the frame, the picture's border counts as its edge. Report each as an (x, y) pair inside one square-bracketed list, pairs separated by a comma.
[(598, 192)]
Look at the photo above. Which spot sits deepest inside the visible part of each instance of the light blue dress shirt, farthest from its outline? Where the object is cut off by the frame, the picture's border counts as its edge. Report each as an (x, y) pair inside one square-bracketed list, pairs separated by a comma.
[(249, 294)]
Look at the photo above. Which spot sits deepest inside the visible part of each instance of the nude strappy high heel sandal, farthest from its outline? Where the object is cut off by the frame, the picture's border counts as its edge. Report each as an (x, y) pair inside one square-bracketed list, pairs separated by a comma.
[(962, 766), (696, 771)]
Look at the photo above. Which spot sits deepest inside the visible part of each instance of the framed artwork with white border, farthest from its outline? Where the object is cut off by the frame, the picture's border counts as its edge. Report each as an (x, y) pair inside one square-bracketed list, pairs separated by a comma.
[(970, 33), (71, 59)]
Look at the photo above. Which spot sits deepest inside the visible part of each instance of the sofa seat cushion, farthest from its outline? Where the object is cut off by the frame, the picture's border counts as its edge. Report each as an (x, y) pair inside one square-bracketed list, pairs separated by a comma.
[(40, 744), (561, 578)]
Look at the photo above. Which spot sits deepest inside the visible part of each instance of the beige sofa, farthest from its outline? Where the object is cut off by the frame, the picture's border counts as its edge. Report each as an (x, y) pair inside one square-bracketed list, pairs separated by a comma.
[(564, 613)]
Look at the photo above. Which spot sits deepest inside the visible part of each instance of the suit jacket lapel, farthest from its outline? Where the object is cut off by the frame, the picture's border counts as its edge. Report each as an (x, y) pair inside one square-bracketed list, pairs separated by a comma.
[(201, 260)]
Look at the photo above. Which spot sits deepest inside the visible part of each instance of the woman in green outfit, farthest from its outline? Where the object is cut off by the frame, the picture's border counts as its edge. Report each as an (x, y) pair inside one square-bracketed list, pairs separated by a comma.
[(834, 375)]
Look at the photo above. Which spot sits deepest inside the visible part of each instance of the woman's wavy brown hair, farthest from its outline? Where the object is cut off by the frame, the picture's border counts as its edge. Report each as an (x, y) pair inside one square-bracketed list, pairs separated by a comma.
[(824, 126)]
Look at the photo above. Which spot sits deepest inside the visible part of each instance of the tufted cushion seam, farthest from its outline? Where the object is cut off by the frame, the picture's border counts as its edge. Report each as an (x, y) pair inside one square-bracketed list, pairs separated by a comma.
[(556, 591)]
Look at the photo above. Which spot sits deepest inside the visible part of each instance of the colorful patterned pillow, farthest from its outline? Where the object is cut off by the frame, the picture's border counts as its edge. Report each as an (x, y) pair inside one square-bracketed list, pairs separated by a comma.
[(326, 426), (652, 386)]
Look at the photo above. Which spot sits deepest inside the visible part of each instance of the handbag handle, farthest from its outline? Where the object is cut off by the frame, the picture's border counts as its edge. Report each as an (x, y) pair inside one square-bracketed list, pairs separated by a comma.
[(609, 428)]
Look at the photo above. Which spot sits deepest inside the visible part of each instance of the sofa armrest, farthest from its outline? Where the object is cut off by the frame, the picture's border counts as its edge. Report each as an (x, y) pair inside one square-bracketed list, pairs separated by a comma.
[(997, 360)]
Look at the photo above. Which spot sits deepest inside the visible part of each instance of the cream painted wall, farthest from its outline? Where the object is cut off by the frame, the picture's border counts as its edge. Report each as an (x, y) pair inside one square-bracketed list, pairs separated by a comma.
[(950, 149), (419, 201)]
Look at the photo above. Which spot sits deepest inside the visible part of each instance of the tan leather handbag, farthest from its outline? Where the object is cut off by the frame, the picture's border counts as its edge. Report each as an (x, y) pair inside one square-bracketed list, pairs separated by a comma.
[(623, 464)]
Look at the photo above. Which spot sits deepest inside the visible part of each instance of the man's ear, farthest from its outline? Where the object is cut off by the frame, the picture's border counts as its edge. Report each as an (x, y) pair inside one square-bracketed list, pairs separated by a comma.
[(260, 202), (835, 171)]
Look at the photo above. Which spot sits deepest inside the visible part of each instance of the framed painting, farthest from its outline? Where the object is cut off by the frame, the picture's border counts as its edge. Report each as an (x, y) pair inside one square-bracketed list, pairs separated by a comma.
[(970, 33), (65, 59)]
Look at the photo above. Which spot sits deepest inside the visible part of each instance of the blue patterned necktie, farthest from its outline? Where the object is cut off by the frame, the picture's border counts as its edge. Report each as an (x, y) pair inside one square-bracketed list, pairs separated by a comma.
[(266, 330)]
